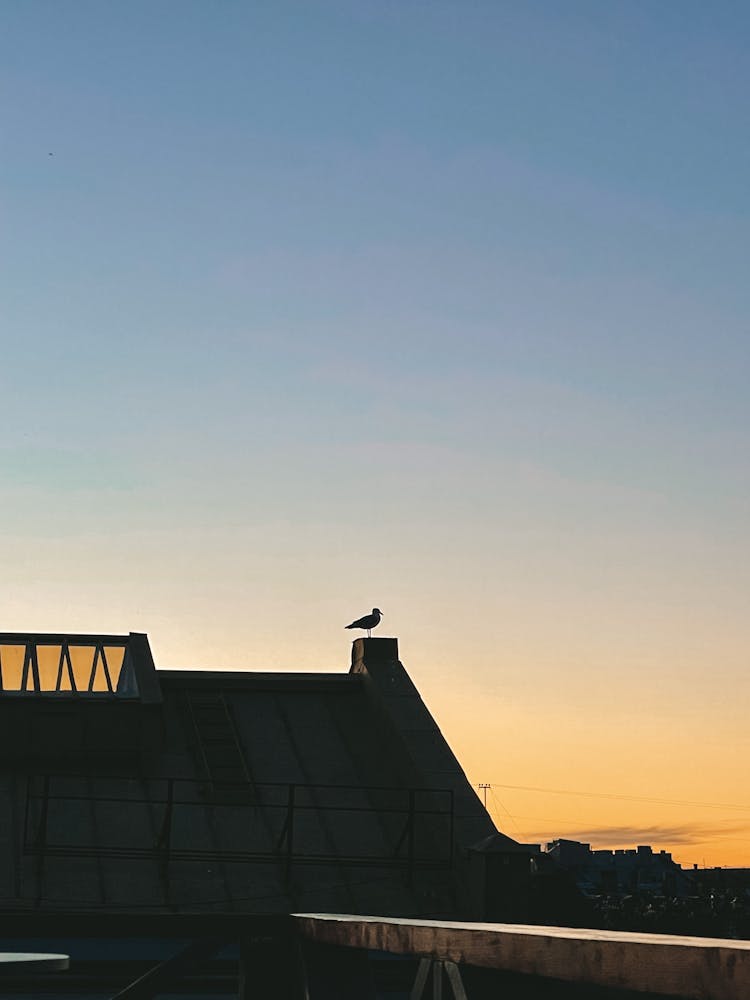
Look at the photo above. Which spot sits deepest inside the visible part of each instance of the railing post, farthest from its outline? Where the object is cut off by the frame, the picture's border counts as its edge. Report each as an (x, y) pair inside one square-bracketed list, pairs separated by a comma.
[(410, 835), (40, 840), (290, 830), (41, 834), (452, 828), (165, 834), (164, 841)]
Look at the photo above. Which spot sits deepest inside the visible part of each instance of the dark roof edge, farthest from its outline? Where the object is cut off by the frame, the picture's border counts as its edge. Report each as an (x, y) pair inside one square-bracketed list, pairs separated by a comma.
[(255, 680), (391, 688)]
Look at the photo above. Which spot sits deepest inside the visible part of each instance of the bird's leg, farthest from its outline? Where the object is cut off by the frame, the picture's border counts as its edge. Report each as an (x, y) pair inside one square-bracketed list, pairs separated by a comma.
[(368, 633)]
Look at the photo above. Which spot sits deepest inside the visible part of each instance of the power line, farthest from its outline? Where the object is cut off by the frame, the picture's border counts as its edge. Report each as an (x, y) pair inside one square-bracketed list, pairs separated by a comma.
[(626, 798), (498, 801)]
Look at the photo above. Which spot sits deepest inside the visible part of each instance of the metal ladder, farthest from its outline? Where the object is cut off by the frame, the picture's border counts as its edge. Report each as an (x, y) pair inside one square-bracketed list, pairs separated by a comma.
[(219, 749)]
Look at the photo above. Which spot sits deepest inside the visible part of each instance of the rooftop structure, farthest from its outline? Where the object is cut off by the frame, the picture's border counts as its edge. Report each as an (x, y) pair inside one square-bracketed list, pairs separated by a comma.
[(132, 787)]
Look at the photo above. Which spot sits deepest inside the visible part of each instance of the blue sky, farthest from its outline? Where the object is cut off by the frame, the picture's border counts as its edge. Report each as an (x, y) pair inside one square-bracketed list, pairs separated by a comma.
[(436, 306)]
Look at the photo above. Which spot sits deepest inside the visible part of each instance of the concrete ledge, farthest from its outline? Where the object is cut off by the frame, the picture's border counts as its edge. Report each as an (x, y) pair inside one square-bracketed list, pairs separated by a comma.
[(690, 967)]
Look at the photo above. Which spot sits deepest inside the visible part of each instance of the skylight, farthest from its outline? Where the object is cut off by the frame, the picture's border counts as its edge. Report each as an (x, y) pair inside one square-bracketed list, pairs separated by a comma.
[(66, 665)]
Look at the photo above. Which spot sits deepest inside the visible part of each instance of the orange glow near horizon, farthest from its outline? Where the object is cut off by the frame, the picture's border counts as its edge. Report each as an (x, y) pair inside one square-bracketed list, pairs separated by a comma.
[(612, 789)]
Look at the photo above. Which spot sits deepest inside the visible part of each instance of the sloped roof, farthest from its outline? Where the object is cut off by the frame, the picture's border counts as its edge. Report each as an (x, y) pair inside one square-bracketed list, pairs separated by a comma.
[(270, 792)]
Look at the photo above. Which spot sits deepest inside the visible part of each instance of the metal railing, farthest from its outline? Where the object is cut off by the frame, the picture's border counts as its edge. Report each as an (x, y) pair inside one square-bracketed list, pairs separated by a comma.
[(413, 826)]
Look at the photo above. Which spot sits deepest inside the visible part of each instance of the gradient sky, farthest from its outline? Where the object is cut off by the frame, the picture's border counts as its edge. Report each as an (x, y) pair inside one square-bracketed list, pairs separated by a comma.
[(308, 306)]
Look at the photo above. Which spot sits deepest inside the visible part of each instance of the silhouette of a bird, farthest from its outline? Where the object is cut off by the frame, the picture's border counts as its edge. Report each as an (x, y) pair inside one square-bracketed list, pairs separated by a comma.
[(368, 622)]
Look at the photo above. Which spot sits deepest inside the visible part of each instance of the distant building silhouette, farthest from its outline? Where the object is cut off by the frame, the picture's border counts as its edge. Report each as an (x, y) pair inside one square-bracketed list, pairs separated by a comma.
[(640, 869)]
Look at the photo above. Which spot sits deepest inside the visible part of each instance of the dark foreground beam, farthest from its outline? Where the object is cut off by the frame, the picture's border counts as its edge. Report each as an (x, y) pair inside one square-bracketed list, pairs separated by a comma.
[(690, 967), (104, 924), (335, 973), (153, 981)]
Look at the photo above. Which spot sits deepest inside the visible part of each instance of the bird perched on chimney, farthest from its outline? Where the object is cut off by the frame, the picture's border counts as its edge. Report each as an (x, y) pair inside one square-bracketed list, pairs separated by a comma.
[(368, 622)]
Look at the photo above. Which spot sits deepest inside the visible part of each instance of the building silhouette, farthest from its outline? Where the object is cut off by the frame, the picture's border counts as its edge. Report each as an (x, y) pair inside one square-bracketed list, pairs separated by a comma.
[(621, 871), (135, 797)]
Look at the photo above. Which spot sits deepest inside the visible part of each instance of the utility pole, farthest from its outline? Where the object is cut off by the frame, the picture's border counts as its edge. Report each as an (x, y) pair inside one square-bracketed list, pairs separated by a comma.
[(483, 789)]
